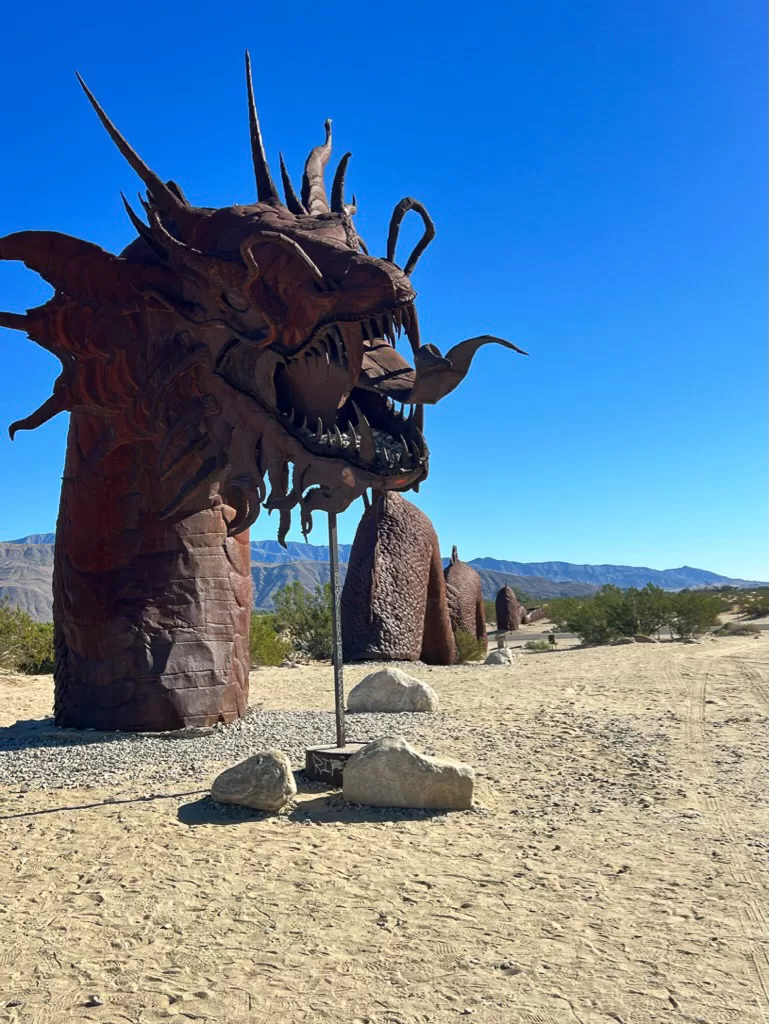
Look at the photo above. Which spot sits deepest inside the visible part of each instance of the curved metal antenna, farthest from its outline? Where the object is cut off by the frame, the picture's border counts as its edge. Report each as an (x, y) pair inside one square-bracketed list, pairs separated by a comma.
[(399, 213)]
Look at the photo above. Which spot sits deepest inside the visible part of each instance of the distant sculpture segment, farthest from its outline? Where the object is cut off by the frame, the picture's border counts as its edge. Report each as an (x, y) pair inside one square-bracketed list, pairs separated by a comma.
[(508, 610), (465, 598), (220, 349), (394, 597), (511, 614)]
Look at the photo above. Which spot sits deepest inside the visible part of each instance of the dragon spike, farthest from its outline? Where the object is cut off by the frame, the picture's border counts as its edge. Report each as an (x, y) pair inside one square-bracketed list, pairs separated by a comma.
[(143, 231), (337, 188), (265, 186), (13, 321), (293, 202), (313, 187), (166, 197)]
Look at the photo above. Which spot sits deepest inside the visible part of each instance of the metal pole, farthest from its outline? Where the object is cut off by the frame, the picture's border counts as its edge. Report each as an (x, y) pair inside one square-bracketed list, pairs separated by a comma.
[(336, 627)]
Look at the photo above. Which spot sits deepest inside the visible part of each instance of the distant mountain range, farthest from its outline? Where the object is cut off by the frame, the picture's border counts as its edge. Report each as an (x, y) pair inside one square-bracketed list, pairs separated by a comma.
[(26, 567)]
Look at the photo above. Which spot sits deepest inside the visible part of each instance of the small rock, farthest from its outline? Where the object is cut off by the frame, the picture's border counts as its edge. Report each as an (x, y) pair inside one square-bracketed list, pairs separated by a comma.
[(94, 1000), (502, 656), (390, 689), (264, 782), (391, 773)]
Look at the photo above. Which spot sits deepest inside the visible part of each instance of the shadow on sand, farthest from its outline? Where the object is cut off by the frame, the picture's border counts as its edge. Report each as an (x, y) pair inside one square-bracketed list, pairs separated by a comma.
[(322, 808)]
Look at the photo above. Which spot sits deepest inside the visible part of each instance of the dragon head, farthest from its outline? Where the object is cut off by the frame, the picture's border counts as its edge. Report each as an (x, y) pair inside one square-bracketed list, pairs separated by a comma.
[(234, 343)]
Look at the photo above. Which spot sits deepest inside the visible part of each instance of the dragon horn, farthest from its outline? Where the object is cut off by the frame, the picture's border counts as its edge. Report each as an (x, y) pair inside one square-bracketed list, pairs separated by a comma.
[(265, 186), (313, 187), (293, 202), (337, 188), (165, 197)]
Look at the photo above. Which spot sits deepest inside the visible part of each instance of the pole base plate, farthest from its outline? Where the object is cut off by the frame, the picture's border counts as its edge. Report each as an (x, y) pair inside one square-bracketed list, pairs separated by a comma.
[(326, 763)]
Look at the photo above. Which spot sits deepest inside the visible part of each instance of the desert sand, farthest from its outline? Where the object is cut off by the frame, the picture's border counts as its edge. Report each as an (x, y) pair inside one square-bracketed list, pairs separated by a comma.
[(613, 870)]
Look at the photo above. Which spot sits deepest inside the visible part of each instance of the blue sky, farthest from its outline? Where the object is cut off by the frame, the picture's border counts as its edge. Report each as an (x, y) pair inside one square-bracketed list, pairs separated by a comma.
[(596, 173)]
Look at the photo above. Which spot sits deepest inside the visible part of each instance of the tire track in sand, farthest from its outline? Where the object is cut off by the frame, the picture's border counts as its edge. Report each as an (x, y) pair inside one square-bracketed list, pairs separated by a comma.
[(752, 913)]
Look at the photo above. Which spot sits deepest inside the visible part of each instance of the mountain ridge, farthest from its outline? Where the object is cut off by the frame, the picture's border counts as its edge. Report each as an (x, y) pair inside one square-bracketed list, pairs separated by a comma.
[(26, 567)]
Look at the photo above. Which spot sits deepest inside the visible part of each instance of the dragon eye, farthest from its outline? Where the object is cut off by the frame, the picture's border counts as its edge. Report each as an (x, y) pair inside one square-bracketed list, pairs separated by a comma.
[(236, 301)]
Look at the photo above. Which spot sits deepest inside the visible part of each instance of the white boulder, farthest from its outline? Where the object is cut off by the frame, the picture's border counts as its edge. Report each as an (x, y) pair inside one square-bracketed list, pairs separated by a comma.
[(389, 689), (264, 781), (391, 773), (501, 656)]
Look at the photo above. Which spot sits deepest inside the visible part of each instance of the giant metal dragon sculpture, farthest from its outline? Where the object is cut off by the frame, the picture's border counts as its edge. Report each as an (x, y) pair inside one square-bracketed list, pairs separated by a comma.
[(220, 349)]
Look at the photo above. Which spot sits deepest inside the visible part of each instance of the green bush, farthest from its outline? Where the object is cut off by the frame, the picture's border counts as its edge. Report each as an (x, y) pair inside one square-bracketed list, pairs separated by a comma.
[(693, 612), (754, 604), (469, 647), (537, 645), (739, 629), (267, 646), (25, 645), (491, 613), (304, 619)]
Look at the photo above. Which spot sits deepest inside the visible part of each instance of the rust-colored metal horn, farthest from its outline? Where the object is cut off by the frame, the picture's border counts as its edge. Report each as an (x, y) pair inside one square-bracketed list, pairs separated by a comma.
[(313, 186), (293, 202), (265, 186), (337, 187), (166, 198)]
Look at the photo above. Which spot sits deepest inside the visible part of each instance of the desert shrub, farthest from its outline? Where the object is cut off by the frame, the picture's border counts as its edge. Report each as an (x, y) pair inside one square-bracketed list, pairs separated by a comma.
[(754, 604), (267, 646), (469, 647), (693, 612), (304, 619), (560, 609), (589, 621), (537, 645), (25, 645), (739, 629)]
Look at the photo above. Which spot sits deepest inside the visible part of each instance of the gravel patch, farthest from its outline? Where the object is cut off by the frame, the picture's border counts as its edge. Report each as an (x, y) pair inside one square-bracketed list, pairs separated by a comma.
[(38, 755)]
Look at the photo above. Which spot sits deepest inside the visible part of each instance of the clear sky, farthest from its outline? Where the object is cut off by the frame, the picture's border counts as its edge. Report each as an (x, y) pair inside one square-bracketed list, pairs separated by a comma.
[(597, 176)]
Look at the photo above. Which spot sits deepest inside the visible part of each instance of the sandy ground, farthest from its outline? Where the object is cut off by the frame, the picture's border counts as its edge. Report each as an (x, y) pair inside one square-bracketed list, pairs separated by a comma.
[(613, 872)]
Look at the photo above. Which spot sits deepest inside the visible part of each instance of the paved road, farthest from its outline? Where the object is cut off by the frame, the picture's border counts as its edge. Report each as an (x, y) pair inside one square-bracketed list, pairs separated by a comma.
[(515, 637)]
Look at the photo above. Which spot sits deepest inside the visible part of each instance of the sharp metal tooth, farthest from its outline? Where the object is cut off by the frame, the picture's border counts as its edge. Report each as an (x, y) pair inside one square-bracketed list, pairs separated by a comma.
[(418, 419), (420, 442), (354, 438), (336, 437), (367, 445), (319, 429), (416, 453), (389, 404), (387, 458), (303, 425), (404, 448)]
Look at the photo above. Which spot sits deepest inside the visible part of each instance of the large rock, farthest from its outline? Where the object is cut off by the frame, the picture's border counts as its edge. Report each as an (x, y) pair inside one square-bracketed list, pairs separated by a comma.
[(501, 656), (264, 782), (389, 689), (390, 773)]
